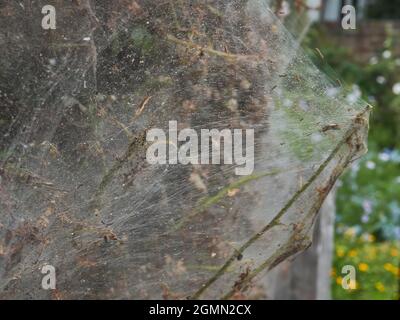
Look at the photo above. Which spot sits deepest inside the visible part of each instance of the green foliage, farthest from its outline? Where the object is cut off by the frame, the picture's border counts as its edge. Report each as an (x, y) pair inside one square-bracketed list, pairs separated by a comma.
[(368, 198)]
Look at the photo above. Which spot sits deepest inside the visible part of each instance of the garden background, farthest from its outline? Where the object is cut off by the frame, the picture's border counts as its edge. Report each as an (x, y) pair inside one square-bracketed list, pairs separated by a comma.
[(367, 215)]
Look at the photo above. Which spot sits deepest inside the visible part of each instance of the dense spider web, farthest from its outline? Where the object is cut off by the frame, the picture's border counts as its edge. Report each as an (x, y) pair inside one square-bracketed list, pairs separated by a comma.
[(76, 191)]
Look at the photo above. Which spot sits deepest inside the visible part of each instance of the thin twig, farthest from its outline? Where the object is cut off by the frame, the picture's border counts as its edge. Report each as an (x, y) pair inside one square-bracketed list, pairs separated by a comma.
[(286, 250), (142, 106), (211, 51)]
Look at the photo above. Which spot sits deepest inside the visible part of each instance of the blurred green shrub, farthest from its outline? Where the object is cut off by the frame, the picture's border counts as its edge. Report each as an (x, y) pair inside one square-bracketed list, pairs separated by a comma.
[(384, 9), (368, 201)]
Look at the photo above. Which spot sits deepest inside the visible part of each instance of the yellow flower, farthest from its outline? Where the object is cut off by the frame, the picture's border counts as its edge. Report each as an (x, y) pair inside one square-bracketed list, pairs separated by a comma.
[(388, 267), (353, 284), (339, 281), (394, 252), (380, 287), (353, 253), (363, 267), (340, 252), (391, 268)]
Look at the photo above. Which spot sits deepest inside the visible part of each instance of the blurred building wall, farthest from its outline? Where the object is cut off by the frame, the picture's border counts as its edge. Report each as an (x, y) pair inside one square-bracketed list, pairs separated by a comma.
[(368, 39)]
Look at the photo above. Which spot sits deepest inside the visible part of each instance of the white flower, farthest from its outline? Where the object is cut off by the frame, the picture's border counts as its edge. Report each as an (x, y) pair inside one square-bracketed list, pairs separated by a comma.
[(387, 54), (397, 232), (396, 88), (367, 206), (384, 156), (370, 165), (381, 80), (373, 60), (365, 218)]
